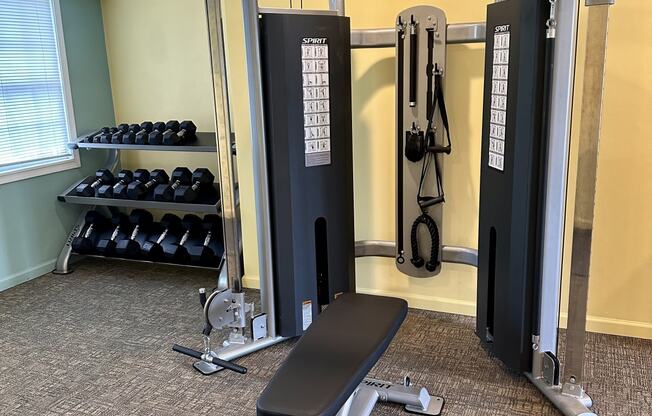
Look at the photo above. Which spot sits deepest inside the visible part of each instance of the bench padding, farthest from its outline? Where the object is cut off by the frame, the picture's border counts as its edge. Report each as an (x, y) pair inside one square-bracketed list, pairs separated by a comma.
[(333, 356)]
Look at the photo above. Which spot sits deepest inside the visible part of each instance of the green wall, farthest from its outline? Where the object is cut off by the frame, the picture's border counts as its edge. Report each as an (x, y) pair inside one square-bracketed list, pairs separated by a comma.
[(33, 224)]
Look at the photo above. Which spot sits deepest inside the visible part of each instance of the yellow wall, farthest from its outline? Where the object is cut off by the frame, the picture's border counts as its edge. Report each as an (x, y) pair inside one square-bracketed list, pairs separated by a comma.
[(620, 297), (178, 54), (160, 69)]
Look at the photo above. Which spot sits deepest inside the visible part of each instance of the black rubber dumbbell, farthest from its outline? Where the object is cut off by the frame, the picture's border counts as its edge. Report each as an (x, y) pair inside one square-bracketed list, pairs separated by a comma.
[(142, 137), (121, 190), (139, 190), (89, 138), (156, 136), (107, 136), (178, 253), (102, 177), (129, 137), (83, 244), (187, 131), (116, 138), (95, 137), (124, 178), (212, 249), (184, 132), (140, 220), (159, 125), (180, 176), (201, 178), (120, 224), (172, 227)]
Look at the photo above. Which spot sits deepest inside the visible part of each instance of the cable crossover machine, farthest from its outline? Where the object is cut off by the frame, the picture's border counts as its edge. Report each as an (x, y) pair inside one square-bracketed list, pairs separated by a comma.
[(299, 94)]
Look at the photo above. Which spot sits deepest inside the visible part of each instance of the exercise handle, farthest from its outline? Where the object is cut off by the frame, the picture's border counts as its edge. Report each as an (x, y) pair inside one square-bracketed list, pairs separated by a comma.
[(213, 360)]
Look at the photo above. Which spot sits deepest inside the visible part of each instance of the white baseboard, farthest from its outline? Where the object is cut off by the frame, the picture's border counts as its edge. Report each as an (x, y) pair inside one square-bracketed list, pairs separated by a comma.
[(604, 325), (25, 275), (426, 302), (251, 282), (594, 323)]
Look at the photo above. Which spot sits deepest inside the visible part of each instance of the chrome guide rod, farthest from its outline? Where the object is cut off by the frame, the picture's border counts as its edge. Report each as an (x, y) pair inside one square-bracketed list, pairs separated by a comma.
[(224, 154), (557, 177), (386, 38), (567, 17), (587, 164), (337, 5), (259, 156)]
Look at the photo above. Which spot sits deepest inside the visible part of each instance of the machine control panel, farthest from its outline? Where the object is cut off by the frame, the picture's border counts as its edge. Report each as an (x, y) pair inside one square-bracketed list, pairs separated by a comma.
[(316, 101), (499, 81)]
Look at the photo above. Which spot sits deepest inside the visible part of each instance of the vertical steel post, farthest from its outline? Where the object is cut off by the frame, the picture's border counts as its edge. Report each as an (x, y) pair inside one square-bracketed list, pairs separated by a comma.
[(557, 177), (259, 155), (337, 5), (593, 87), (224, 152)]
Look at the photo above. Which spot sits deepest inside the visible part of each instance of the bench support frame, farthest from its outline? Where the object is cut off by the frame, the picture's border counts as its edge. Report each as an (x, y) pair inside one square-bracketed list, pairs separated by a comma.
[(415, 399)]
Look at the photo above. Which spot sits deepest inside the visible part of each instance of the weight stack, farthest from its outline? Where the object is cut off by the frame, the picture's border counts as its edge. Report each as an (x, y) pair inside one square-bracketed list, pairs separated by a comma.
[(306, 67), (510, 175)]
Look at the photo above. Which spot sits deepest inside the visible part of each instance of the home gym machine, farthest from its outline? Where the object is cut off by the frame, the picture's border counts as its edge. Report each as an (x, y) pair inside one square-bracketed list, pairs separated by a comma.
[(306, 272)]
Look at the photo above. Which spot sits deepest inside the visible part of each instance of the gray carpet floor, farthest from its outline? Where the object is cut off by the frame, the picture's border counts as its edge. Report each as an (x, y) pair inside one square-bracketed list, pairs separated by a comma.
[(97, 342)]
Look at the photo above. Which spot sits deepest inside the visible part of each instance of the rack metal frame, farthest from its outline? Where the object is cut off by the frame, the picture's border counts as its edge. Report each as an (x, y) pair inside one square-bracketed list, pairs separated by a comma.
[(205, 143)]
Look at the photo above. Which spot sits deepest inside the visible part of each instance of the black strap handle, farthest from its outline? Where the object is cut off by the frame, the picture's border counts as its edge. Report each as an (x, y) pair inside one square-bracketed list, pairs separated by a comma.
[(213, 360)]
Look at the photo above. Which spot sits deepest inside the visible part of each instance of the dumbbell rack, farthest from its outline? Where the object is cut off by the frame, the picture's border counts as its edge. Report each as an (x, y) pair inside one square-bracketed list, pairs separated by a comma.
[(206, 142)]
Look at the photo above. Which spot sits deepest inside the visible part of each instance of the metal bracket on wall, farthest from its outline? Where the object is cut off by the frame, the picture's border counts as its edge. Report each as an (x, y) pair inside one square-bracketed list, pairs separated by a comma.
[(420, 73), (457, 33)]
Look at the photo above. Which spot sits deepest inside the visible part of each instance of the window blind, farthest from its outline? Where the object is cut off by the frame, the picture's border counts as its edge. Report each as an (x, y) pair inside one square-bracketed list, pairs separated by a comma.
[(33, 124)]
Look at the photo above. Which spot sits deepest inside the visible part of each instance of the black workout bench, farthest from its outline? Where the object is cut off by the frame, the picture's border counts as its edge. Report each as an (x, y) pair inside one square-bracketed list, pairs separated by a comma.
[(325, 372)]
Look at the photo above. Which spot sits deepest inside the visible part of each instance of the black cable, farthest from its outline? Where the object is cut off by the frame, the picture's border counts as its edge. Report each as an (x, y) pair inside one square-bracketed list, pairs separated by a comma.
[(399, 137), (417, 260)]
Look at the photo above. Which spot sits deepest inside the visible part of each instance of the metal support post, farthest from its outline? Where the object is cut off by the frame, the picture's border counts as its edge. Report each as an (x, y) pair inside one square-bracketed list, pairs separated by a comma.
[(594, 69), (337, 5), (555, 192), (63, 260), (259, 155), (224, 154)]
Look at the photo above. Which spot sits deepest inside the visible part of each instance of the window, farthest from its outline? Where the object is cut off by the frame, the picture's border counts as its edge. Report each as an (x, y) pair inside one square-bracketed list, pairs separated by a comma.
[(36, 120)]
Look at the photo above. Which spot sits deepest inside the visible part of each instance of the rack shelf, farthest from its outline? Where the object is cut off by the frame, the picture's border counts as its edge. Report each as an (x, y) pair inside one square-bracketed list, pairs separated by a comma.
[(207, 204), (205, 142)]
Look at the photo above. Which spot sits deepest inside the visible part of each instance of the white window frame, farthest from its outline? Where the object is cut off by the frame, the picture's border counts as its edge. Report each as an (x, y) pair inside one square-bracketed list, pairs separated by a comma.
[(40, 168)]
